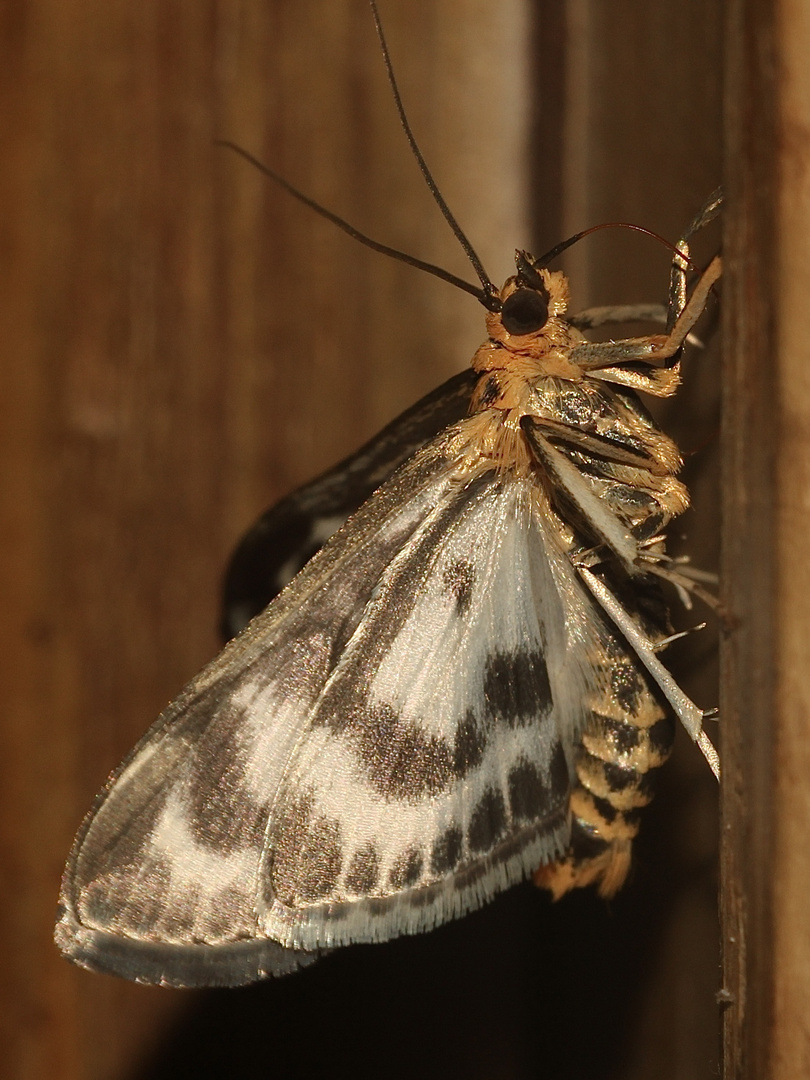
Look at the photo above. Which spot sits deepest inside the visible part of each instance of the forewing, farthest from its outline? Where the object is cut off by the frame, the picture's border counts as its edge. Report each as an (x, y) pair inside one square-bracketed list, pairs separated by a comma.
[(168, 862), (287, 535)]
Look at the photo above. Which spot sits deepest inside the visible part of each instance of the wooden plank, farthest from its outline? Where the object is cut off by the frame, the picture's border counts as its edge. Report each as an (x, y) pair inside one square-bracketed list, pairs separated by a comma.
[(748, 555), (766, 810), (182, 345), (791, 938)]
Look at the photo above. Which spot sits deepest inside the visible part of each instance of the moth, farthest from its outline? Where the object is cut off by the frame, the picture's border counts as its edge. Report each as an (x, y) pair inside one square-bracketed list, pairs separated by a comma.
[(460, 689)]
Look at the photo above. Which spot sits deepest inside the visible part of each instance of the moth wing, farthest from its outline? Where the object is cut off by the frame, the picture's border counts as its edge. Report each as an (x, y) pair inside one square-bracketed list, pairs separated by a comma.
[(338, 774), (162, 883), (287, 535), (435, 766)]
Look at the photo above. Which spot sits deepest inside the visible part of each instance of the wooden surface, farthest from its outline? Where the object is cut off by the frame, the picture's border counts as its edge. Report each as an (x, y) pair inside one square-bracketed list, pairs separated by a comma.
[(182, 344), (791, 870), (766, 704)]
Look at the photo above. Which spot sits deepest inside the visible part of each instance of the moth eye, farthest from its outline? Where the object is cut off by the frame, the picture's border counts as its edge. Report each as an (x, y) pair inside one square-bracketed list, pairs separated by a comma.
[(524, 312)]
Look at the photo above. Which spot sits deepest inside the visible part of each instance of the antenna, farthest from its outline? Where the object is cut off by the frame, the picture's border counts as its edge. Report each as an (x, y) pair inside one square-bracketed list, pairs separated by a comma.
[(486, 298), (544, 260), (488, 287), (487, 295)]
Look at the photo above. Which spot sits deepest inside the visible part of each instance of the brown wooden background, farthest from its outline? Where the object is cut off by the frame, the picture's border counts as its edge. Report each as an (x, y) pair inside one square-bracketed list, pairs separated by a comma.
[(766, 479), (182, 344)]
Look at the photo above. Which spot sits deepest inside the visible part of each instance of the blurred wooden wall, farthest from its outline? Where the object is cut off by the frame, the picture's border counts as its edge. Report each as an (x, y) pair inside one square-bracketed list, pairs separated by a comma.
[(766, 480), (182, 344)]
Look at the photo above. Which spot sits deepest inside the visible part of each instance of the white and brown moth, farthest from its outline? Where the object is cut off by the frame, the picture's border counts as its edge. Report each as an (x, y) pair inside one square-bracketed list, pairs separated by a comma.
[(459, 690)]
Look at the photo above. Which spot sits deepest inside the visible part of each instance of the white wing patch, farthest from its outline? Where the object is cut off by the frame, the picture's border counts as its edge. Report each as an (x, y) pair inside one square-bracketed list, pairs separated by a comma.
[(435, 767)]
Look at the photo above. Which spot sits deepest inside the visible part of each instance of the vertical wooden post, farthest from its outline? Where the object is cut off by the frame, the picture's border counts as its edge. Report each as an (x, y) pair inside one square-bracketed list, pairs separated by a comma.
[(766, 808)]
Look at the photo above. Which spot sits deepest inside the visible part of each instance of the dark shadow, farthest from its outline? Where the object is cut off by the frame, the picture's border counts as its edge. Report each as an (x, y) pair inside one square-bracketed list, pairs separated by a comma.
[(524, 988)]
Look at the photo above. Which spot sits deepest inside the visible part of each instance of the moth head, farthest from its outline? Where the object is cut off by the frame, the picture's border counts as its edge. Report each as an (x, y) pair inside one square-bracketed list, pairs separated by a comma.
[(528, 301)]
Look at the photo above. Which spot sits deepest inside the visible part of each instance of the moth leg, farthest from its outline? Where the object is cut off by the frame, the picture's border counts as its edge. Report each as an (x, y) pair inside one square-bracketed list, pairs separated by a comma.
[(677, 281), (592, 355), (687, 580), (627, 313), (591, 443), (600, 520), (685, 709), (610, 530)]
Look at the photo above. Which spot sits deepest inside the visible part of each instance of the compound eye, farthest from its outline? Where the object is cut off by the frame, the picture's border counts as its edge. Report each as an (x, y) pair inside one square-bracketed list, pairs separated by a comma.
[(524, 312)]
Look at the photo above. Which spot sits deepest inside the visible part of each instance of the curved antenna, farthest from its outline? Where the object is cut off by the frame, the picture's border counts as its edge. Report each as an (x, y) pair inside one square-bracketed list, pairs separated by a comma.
[(484, 296), (544, 260), (489, 289)]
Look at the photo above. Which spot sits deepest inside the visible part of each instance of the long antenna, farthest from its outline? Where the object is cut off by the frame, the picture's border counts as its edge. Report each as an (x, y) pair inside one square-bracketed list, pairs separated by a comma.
[(488, 297), (558, 249), (488, 288)]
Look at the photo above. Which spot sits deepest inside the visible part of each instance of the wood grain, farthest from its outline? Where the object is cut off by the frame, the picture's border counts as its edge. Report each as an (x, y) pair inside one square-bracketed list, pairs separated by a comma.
[(766, 806), (183, 344), (791, 877)]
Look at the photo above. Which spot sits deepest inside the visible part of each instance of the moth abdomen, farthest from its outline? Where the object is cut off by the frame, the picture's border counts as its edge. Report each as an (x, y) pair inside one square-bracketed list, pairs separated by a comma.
[(628, 738)]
